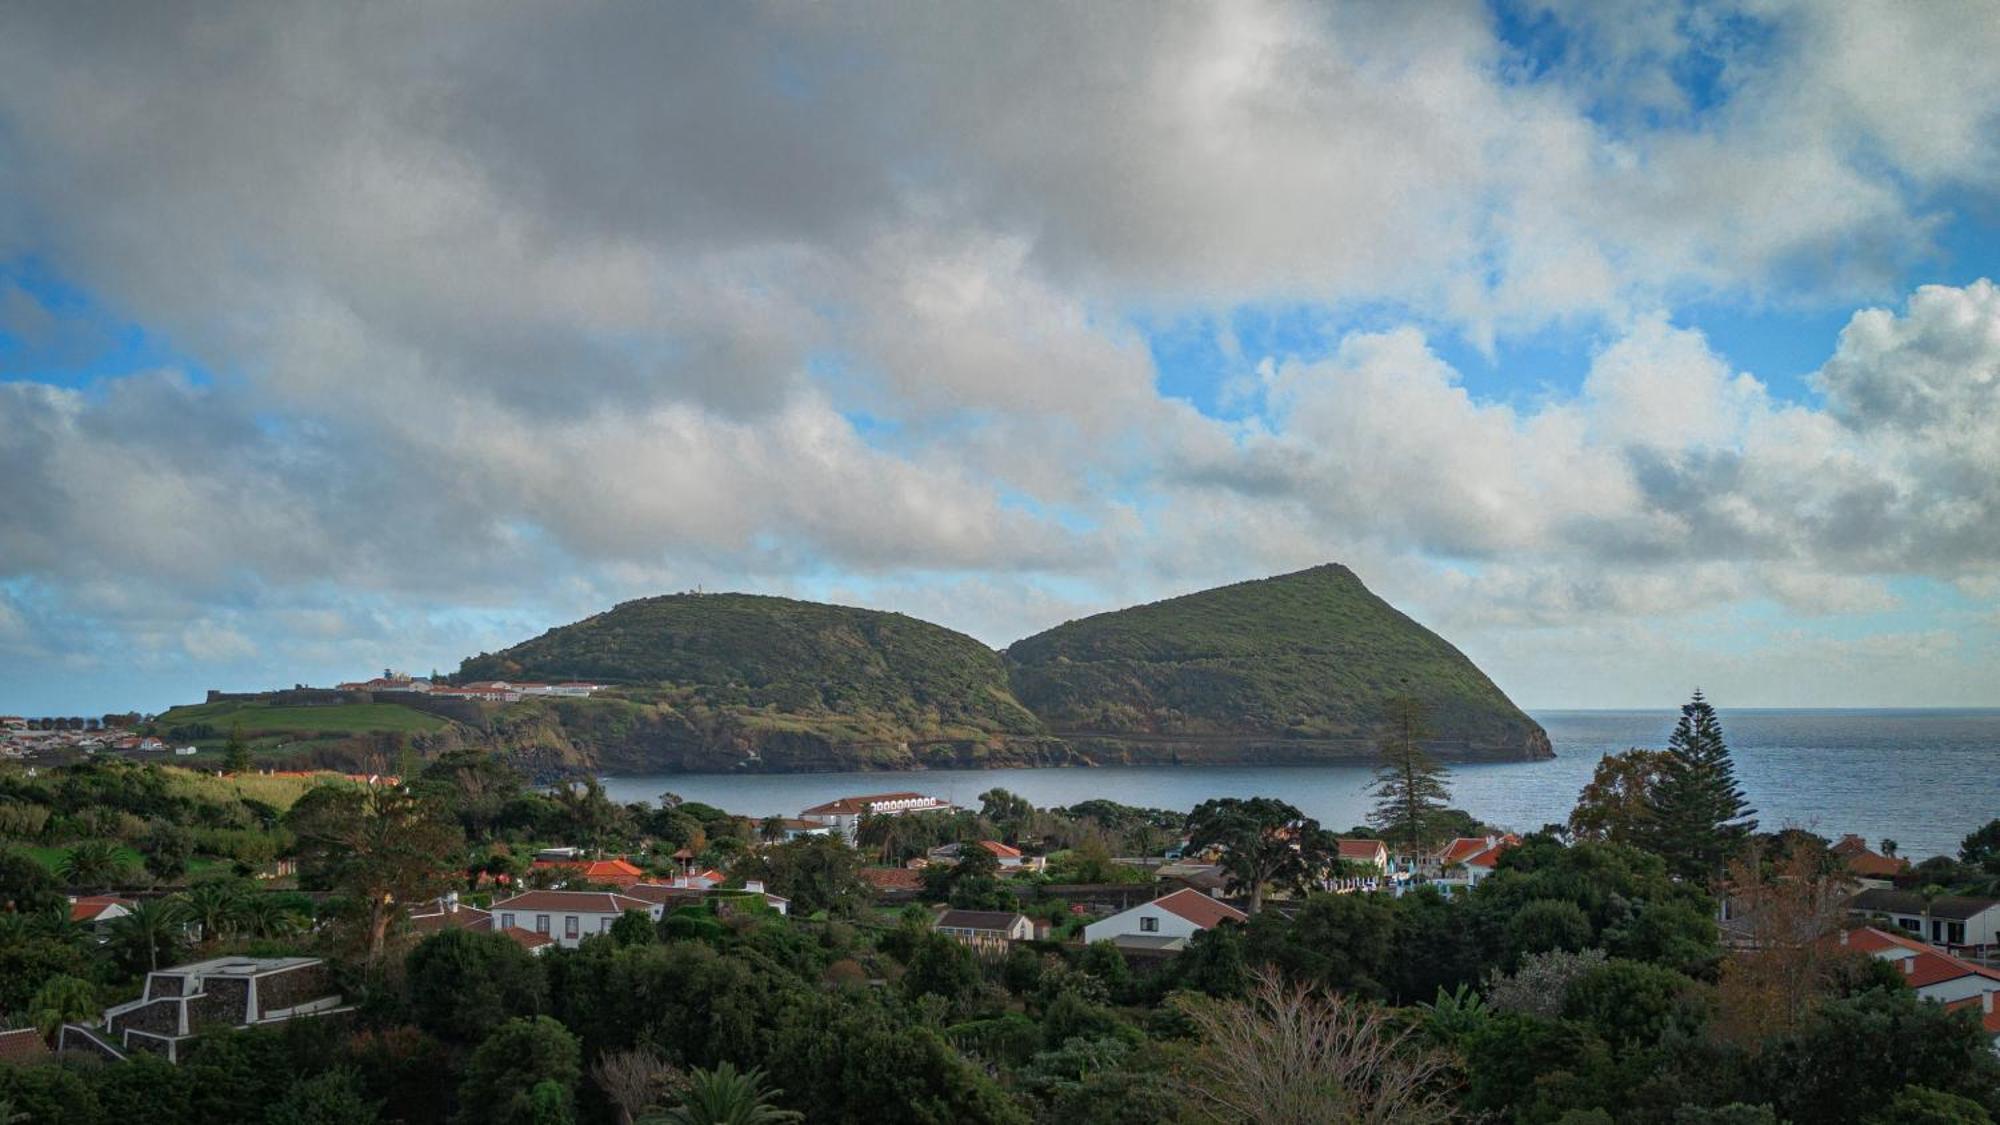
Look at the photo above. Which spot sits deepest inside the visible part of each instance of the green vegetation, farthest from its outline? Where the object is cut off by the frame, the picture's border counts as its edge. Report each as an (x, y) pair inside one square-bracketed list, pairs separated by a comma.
[(1578, 983), (263, 720), (1310, 656), (709, 680)]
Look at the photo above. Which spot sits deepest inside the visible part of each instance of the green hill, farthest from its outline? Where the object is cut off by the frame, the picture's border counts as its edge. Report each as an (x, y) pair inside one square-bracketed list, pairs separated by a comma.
[(706, 681), (1294, 668)]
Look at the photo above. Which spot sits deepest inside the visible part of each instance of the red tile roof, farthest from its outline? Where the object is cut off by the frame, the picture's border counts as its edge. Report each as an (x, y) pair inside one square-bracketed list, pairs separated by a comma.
[(1988, 1017), (527, 939), (1199, 908), (87, 908), (893, 878), (24, 1045), (854, 806), (1000, 850), (662, 894), (581, 902), (1927, 966), (596, 870), (1861, 860), (1369, 850)]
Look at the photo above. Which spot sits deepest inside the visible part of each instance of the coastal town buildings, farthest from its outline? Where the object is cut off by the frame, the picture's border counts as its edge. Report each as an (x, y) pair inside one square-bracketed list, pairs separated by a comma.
[(567, 917), (1956, 923), (844, 814)]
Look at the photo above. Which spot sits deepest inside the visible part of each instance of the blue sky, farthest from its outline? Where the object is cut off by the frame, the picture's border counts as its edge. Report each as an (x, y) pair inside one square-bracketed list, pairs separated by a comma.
[(1630, 346)]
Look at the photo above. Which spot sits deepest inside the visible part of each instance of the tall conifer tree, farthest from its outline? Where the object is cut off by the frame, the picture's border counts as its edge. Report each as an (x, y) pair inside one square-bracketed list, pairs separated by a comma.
[(1411, 794), (1699, 814)]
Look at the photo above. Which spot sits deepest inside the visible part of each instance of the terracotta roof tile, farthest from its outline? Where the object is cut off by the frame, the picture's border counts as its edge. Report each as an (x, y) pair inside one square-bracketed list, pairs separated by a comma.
[(23, 1045), (1199, 908)]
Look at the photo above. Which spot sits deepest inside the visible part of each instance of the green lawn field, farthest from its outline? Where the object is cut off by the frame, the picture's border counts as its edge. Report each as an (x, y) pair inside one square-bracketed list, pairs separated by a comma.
[(340, 718)]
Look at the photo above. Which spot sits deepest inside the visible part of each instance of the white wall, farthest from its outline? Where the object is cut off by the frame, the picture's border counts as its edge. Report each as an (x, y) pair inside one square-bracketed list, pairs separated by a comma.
[(1129, 922)]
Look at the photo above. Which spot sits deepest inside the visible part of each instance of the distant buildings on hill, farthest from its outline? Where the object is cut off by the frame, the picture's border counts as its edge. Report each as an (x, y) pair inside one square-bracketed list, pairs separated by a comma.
[(495, 691)]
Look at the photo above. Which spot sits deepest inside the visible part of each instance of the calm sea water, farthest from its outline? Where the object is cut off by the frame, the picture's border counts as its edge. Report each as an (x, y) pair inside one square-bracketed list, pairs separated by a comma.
[(1922, 778)]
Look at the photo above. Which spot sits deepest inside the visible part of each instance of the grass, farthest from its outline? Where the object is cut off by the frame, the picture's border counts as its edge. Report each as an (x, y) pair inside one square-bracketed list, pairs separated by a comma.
[(278, 792), (339, 718)]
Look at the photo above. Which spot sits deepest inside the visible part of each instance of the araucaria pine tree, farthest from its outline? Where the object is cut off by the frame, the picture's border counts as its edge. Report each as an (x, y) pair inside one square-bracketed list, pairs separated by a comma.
[(1410, 790), (1700, 818)]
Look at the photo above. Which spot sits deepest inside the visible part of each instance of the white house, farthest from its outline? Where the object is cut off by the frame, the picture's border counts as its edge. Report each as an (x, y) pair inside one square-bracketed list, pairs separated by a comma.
[(842, 815), (1930, 974), (568, 917), (1963, 925), (1183, 914)]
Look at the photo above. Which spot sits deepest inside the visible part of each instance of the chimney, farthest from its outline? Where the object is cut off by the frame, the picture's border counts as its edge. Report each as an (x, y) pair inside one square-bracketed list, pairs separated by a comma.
[(1910, 965), (451, 902), (1843, 937), (1986, 1002)]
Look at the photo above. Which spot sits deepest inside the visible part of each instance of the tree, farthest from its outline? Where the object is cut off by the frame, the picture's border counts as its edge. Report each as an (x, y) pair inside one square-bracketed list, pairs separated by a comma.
[(26, 887), (1793, 905), (92, 863), (1616, 807), (1981, 848), (462, 984), (507, 1070), (166, 848), (1295, 1053), (1007, 812), (377, 846), (817, 872), (61, 1000), (1264, 842), (1411, 794), (236, 752), (213, 908), (1700, 818), (150, 930), (634, 927), (633, 1080), (771, 829), (1919, 1105), (725, 1096), (331, 1098)]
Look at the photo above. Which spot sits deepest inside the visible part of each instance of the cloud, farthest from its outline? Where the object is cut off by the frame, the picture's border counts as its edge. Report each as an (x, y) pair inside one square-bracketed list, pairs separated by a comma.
[(484, 316)]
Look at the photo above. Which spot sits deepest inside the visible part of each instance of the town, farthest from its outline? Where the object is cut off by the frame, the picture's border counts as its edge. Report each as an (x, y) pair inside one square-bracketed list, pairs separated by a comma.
[(171, 909)]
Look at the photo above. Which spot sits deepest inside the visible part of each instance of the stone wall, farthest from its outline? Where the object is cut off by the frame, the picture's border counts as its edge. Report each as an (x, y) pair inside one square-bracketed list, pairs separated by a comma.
[(277, 992)]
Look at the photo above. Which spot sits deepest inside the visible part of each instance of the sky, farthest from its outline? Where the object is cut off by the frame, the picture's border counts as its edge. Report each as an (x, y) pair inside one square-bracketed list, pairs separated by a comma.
[(1633, 347)]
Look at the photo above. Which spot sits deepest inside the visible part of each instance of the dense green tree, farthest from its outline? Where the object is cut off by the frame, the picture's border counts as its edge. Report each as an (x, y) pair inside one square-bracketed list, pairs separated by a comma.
[(1981, 848), (1616, 807), (236, 752), (26, 887), (1844, 1063), (378, 847), (941, 966), (332, 1098), (852, 1059), (215, 908), (1264, 842), (1545, 925), (634, 927), (166, 848), (1916, 1105), (1411, 790), (817, 872), (1699, 816), (462, 984), (1215, 963), (1442, 927), (503, 1073), (1632, 1005), (1009, 813), (60, 1000), (1344, 942)]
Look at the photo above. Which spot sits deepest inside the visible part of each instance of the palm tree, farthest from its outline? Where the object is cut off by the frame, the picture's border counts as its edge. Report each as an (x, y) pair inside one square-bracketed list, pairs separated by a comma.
[(772, 830), (882, 832), (92, 863), (213, 907), (61, 1000), (267, 916), (10, 1115), (153, 926), (725, 1096)]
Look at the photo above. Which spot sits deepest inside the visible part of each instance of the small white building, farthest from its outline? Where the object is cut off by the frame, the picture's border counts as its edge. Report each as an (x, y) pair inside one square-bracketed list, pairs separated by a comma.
[(1183, 913), (567, 917)]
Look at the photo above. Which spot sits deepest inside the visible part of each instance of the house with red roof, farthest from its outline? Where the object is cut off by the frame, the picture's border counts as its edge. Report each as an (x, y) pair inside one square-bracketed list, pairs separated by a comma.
[(23, 1046), (95, 910), (1869, 868), (1957, 923), (1177, 915), (568, 917), (1929, 973), (1467, 860)]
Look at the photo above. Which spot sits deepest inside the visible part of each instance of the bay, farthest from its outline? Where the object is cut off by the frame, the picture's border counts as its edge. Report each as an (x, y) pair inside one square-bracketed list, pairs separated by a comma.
[(1924, 778)]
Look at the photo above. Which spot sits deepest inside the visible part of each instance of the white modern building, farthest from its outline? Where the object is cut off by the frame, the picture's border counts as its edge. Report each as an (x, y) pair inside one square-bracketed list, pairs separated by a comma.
[(842, 815), (1182, 914)]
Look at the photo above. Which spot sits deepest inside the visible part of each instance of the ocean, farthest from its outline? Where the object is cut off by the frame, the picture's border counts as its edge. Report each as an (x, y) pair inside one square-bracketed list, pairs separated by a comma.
[(1924, 778)]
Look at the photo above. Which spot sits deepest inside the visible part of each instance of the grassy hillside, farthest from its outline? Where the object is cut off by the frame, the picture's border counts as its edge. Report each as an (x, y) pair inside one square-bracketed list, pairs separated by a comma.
[(774, 664), (262, 719), (1312, 655)]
